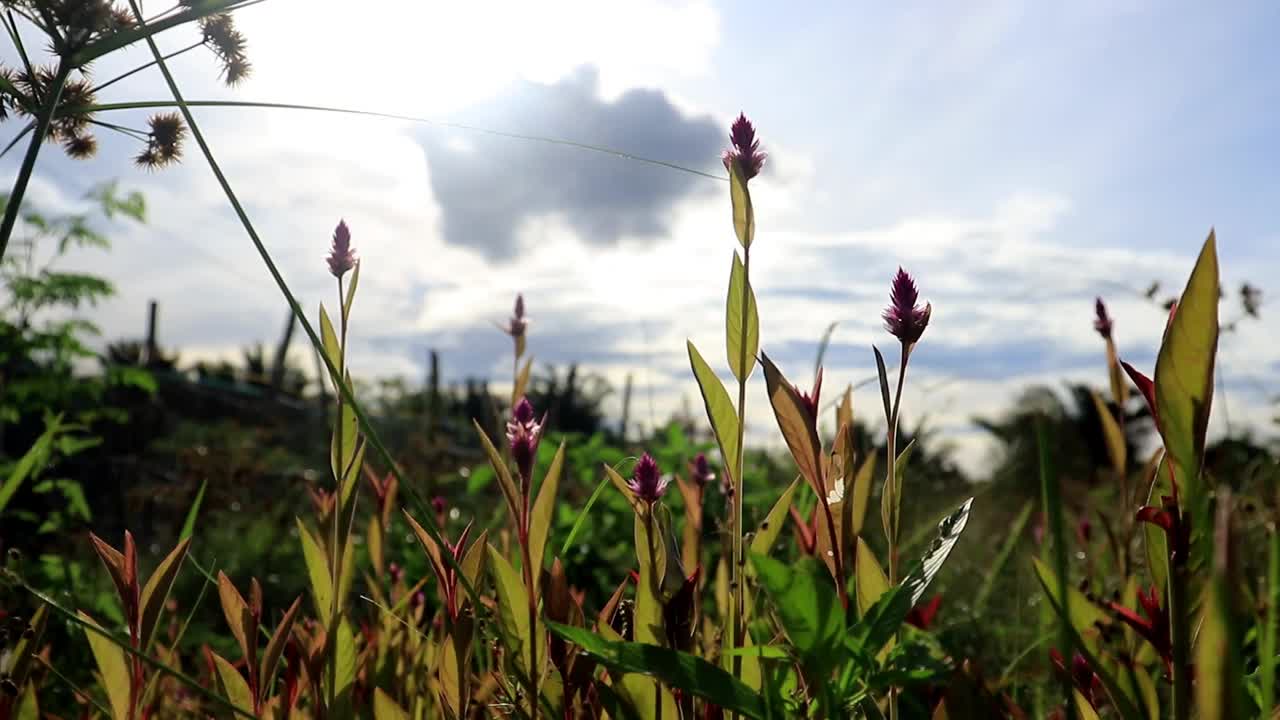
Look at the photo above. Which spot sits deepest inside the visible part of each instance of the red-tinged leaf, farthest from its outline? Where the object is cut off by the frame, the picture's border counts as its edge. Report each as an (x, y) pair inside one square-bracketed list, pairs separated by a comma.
[(433, 552), (798, 428), (114, 561), (275, 648), (239, 618), (1155, 516), (1184, 367), (1145, 386), (157, 590)]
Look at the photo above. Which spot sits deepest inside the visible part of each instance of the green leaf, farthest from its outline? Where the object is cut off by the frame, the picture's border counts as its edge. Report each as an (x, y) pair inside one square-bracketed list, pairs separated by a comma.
[(872, 582), (742, 356), (332, 348), (1271, 628), (1157, 543), (1218, 671), (1184, 367), (351, 292), (513, 605), (772, 526), (891, 497), (499, 466), (720, 410), (1117, 450), (682, 670), (881, 620), (275, 648), (744, 216), (860, 494), (346, 659), (798, 429), (948, 534), (652, 558), (807, 605), (156, 591), (540, 519), (189, 525), (1085, 617), (233, 683), (318, 571), (31, 462), (112, 668), (384, 708)]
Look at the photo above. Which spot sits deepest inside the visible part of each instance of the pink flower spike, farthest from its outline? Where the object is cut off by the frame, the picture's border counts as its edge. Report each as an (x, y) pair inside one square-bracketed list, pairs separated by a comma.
[(341, 255), (647, 481), (1102, 322), (904, 318), (745, 152)]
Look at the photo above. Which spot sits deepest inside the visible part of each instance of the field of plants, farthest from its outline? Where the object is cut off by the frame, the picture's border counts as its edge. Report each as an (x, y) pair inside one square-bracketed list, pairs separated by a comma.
[(255, 540)]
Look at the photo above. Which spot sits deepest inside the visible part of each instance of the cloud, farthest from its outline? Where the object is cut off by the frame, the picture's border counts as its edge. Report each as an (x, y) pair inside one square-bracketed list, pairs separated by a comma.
[(493, 190)]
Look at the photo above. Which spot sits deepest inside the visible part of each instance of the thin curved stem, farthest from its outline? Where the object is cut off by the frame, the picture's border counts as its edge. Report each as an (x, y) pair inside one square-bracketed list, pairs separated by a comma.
[(144, 66), (29, 160), (152, 104)]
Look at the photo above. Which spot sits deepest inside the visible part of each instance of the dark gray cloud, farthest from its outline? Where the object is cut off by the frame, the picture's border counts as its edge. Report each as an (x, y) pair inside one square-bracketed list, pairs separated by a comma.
[(487, 188)]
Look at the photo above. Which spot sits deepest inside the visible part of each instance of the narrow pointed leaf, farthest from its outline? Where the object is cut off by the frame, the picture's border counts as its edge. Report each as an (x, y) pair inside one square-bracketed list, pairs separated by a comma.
[(1184, 367), (112, 667), (806, 603), (156, 591), (540, 519), (744, 217), (329, 341), (872, 582), (741, 352), (233, 683), (236, 611), (798, 429), (1117, 450), (384, 708), (513, 604), (317, 570), (473, 563), (883, 375), (774, 522), (275, 648), (500, 468), (720, 410), (681, 670), (189, 525), (860, 494)]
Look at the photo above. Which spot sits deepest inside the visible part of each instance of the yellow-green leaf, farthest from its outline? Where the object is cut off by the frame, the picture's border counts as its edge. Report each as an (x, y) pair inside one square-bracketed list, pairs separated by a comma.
[(1084, 710), (28, 707), (112, 667), (1116, 448), (798, 429), (1184, 367), (351, 291), (720, 411), (742, 355), (891, 497), (744, 217), (872, 582), (233, 683), (509, 490), (318, 571), (275, 647), (473, 563), (513, 605), (236, 611), (773, 523), (540, 518), (346, 657), (651, 555), (1086, 618), (1157, 543), (329, 339), (384, 708), (156, 591), (860, 493)]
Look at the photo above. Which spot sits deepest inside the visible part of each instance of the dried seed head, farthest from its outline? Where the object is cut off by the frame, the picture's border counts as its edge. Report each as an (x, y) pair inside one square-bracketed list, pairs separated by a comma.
[(221, 35), (80, 147), (164, 143)]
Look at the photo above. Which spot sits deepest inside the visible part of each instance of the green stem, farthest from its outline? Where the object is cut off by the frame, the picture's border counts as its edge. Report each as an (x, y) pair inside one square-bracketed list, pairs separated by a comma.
[(144, 66), (1267, 650), (1181, 631), (736, 579), (529, 570), (33, 150)]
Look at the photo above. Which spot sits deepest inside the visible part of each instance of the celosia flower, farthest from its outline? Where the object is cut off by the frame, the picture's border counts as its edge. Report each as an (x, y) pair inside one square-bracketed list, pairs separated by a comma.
[(341, 256), (647, 481), (517, 324), (523, 435), (1102, 322), (700, 470), (904, 319), (746, 152)]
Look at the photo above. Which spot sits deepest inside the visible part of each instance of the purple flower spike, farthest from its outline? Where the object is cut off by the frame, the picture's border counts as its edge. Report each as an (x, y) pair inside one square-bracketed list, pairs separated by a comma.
[(700, 470), (1102, 323), (523, 434), (517, 324), (341, 257), (746, 150), (647, 482), (904, 319), (810, 400)]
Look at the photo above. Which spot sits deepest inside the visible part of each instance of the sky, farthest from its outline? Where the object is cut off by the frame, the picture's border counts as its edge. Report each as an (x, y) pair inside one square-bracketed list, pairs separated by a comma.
[(1018, 158)]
